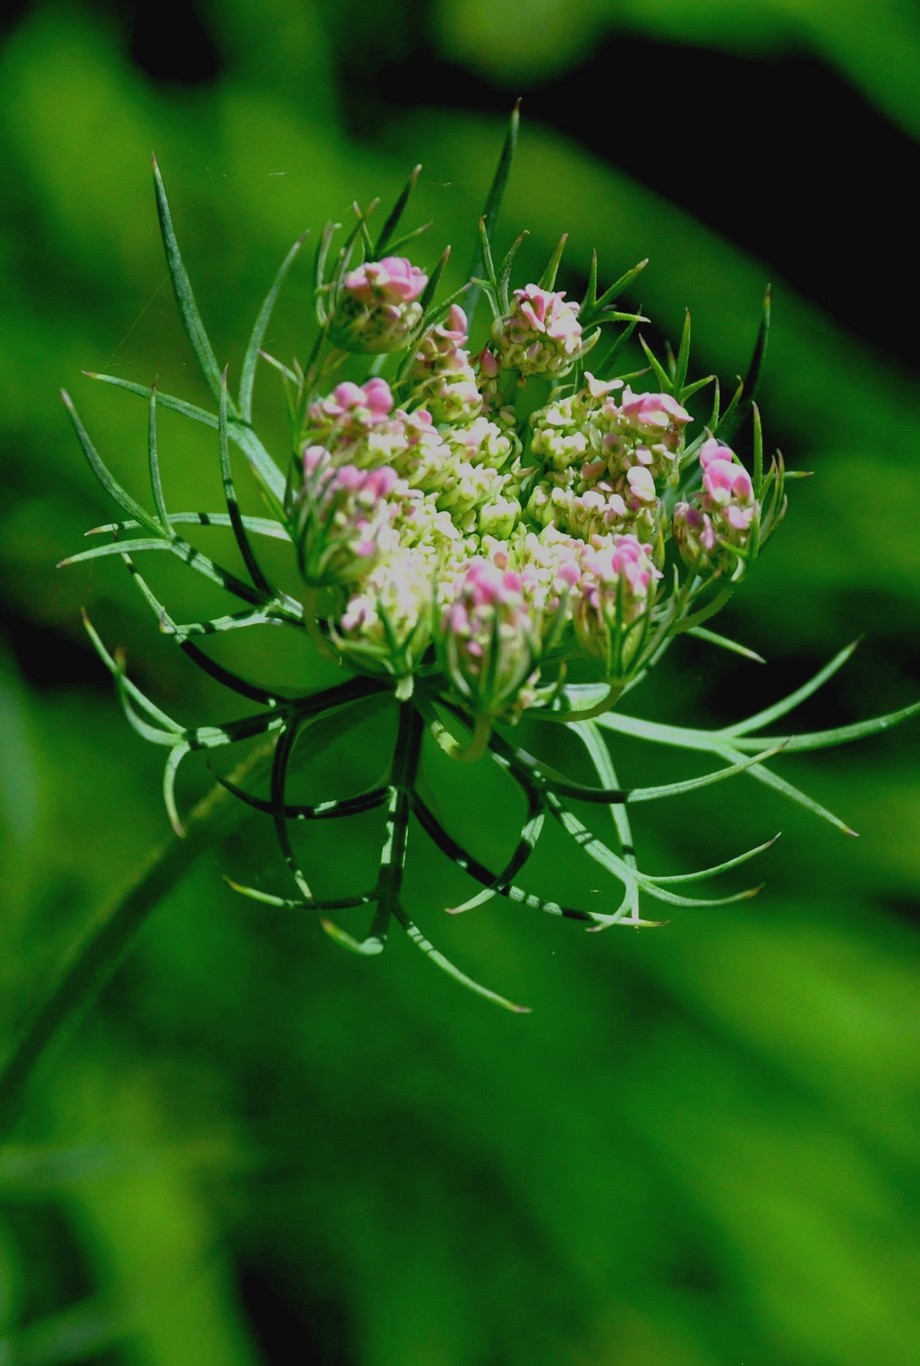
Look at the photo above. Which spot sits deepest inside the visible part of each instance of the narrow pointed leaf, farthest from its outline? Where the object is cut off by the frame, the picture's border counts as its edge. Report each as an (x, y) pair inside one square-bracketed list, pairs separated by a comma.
[(492, 207), (747, 390), (153, 464), (701, 874), (794, 699), (840, 735), (106, 479), (661, 374), (287, 903), (447, 966), (253, 567), (118, 673), (369, 947), (177, 754), (253, 349), (182, 289), (263, 466), (723, 643), (258, 526), (795, 794), (396, 213), (613, 292), (562, 786)]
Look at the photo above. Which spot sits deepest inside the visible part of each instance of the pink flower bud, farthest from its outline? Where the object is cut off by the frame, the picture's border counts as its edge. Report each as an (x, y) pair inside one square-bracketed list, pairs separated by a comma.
[(394, 280), (541, 334), (377, 310), (488, 637), (344, 515)]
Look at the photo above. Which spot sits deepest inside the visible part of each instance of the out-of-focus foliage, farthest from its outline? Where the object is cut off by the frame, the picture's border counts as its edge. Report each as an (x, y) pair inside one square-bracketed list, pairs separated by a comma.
[(700, 1149)]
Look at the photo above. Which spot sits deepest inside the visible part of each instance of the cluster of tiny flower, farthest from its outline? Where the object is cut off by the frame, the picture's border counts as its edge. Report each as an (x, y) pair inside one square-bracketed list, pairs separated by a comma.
[(450, 532)]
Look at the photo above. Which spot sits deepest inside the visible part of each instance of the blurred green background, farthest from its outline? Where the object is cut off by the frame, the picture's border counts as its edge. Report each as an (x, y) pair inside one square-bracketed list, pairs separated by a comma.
[(701, 1148)]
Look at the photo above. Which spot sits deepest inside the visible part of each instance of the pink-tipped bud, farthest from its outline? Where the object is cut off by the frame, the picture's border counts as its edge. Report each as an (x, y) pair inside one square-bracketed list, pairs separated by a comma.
[(712, 532), (344, 518), (617, 592), (541, 335), (488, 637), (393, 280), (377, 309)]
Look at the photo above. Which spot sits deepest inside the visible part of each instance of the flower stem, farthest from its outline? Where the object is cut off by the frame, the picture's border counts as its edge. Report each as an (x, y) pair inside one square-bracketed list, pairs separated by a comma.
[(95, 959)]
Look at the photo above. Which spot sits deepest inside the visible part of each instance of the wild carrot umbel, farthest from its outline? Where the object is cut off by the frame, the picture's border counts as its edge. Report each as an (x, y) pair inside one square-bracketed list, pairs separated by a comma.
[(486, 521)]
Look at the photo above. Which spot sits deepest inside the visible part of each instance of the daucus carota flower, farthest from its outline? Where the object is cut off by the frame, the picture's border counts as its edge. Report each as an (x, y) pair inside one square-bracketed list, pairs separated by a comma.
[(487, 538), (488, 636), (353, 422), (541, 335), (343, 518), (615, 595), (377, 308), (445, 379), (714, 529)]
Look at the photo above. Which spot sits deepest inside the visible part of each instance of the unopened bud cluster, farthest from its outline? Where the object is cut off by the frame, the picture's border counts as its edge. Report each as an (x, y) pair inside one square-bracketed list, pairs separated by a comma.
[(454, 535)]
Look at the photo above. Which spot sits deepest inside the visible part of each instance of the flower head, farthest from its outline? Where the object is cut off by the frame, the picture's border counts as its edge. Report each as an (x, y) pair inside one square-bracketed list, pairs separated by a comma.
[(445, 380), (616, 593), (344, 515), (377, 309), (541, 335), (713, 530), (487, 638)]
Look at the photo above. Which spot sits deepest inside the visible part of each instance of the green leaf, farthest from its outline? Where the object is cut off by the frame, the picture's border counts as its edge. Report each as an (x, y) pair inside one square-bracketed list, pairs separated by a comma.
[(447, 966), (723, 643), (558, 783), (287, 903), (182, 289), (661, 374), (263, 466), (396, 213), (683, 358), (107, 480), (233, 508), (492, 208), (590, 313), (373, 944), (597, 850), (116, 669), (153, 464), (600, 756), (251, 356), (840, 735), (717, 868), (747, 392), (796, 795), (548, 278), (794, 699), (259, 526)]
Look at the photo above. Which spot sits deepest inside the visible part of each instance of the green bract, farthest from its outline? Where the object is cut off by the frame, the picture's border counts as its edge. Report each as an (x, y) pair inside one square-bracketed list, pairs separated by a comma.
[(480, 536)]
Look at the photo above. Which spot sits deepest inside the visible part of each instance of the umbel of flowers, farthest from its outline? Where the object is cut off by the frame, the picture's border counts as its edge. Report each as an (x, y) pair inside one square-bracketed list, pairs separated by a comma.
[(502, 513), (502, 508)]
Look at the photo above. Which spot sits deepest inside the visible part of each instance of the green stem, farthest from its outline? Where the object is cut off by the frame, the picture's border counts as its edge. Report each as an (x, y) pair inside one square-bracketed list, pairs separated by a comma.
[(607, 702), (479, 741), (95, 959)]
